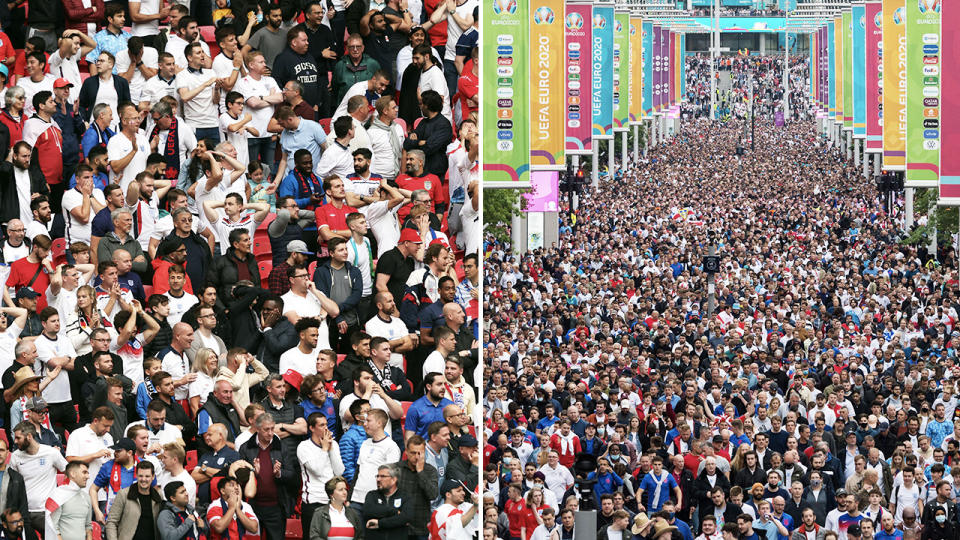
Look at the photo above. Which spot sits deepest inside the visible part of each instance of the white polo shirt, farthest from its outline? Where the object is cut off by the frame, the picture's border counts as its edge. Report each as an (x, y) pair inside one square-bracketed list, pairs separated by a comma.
[(201, 111), (58, 391), (83, 442)]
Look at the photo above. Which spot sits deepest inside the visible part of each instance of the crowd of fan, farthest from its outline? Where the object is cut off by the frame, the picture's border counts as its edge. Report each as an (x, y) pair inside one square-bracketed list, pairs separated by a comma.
[(241, 286), (818, 402)]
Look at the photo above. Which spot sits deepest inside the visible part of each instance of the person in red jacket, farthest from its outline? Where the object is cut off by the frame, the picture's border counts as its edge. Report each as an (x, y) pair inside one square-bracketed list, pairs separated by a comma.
[(566, 443), (42, 133), (415, 178), (12, 114)]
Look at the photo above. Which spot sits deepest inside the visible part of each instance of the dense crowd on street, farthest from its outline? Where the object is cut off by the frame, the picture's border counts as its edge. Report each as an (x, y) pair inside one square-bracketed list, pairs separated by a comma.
[(813, 396), (239, 241)]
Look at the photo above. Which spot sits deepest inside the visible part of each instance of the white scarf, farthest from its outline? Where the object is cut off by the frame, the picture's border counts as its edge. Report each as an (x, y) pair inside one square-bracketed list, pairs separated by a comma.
[(566, 443), (660, 481)]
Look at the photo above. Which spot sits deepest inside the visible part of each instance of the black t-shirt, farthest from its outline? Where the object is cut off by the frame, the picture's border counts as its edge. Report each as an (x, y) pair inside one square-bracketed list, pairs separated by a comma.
[(399, 268), (288, 65), (145, 527)]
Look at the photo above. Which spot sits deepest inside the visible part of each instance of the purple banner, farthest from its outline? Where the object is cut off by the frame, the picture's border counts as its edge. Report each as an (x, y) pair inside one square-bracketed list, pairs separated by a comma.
[(778, 118), (824, 83), (544, 194), (578, 106), (657, 69)]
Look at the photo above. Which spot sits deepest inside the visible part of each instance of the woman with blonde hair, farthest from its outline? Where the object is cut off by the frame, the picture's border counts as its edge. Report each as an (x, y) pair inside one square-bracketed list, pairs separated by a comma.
[(205, 365), (82, 321)]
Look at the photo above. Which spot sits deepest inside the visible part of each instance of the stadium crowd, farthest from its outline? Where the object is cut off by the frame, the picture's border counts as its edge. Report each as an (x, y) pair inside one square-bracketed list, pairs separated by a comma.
[(817, 402), (240, 250)]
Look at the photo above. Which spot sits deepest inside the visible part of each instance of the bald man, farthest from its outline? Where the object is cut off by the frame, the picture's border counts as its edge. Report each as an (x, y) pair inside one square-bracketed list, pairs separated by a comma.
[(385, 325), (14, 247), (174, 359)]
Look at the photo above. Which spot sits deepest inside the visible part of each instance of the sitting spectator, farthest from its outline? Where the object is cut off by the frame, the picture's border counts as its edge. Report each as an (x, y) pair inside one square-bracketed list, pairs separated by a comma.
[(235, 265), (295, 63), (99, 132), (120, 238)]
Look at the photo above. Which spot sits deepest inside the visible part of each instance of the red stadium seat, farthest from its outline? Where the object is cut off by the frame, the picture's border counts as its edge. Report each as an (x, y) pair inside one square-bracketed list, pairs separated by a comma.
[(294, 529), (97, 531), (402, 123), (62, 479), (261, 246), (266, 221), (341, 358), (312, 268), (208, 34), (405, 404), (191, 460), (265, 268), (325, 124), (147, 291)]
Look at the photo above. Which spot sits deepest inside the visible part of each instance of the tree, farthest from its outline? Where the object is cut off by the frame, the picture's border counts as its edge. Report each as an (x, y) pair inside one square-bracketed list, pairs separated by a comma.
[(499, 207), (943, 219)]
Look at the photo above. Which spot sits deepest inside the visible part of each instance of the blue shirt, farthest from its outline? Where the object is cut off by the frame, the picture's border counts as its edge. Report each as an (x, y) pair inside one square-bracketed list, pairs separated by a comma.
[(897, 534), (108, 42), (94, 137), (423, 413), (308, 135), (101, 224), (649, 486), (102, 481), (607, 483), (290, 187)]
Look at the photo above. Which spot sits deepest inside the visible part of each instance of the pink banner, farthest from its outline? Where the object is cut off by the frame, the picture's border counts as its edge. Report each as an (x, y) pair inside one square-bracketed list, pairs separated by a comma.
[(673, 69), (544, 194), (874, 22), (950, 107), (579, 115)]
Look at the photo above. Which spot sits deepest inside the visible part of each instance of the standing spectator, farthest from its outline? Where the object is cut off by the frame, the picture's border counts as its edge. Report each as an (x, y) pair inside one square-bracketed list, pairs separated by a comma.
[(371, 90), (42, 22), (261, 94), (15, 497), (39, 465), (20, 178), (335, 519), (52, 353), (137, 64), (106, 87), (378, 449), (235, 125), (431, 78), (293, 96), (199, 256), (31, 272), (37, 79), (235, 265), (321, 45), (386, 510), (188, 31), (304, 300), (342, 282), (320, 463), (163, 84), (303, 357), (12, 115), (463, 168), (298, 133), (270, 39), (301, 186), (174, 360), (425, 187), (429, 408), (112, 38), (145, 17), (386, 139), (73, 46), (129, 149), (432, 135), (295, 63), (228, 65), (71, 128), (354, 67), (276, 470), (69, 513), (136, 507), (82, 18), (199, 95), (419, 481), (179, 519)]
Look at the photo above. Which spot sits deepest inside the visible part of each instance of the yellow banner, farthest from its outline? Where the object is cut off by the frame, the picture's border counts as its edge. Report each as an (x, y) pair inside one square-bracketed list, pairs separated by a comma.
[(894, 84), (636, 68), (547, 144), (838, 65)]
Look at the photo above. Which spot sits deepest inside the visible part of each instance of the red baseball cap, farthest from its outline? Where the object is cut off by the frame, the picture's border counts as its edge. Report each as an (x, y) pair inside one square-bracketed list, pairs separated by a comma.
[(410, 235), (62, 83)]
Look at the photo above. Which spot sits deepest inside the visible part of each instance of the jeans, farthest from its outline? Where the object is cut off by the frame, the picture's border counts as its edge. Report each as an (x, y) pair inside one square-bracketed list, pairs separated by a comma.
[(263, 149), (339, 26), (306, 516), (452, 76), (208, 133)]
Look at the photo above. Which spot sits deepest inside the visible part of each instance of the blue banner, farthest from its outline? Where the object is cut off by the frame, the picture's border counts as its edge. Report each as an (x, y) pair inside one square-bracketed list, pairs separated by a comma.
[(601, 93), (683, 67), (648, 79), (832, 69), (859, 71)]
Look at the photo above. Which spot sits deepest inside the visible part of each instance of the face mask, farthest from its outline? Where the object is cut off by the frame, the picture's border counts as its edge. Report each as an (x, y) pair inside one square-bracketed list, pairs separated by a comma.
[(815, 483), (259, 17), (507, 460), (538, 485), (941, 518)]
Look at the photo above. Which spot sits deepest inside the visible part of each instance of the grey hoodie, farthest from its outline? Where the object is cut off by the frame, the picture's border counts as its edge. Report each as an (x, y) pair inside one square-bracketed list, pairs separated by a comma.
[(167, 523)]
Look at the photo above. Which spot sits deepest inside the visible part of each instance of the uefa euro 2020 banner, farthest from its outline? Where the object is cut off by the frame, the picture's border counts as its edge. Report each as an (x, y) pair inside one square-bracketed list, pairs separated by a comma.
[(859, 54), (546, 95), (648, 73), (621, 66), (636, 68), (601, 66), (506, 93), (894, 14), (923, 92), (874, 72), (577, 76)]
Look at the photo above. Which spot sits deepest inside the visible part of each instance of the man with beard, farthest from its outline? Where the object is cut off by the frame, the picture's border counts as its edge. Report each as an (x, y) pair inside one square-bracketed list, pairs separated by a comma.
[(416, 178), (21, 183), (39, 465), (42, 220)]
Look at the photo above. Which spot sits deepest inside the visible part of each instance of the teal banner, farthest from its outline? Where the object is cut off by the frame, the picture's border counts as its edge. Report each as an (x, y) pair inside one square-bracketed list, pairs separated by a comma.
[(601, 67)]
